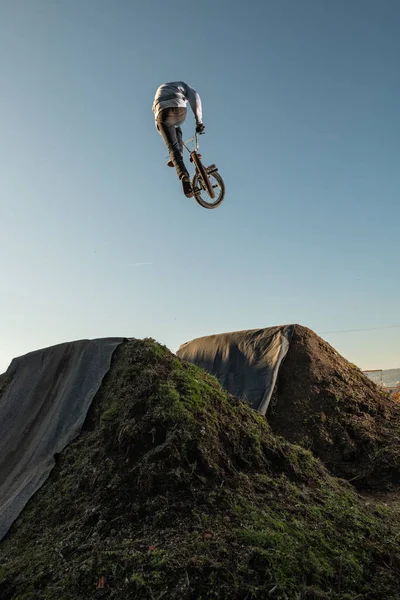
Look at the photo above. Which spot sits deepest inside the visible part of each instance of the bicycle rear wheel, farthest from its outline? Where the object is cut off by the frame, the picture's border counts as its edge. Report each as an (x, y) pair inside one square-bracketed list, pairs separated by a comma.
[(201, 194)]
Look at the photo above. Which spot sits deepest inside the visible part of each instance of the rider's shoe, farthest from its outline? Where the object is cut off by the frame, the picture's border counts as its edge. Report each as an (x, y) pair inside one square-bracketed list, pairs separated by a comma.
[(171, 164), (187, 188)]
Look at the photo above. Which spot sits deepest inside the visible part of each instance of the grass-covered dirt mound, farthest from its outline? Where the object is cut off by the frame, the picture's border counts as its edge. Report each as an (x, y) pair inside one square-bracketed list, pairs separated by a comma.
[(328, 405), (175, 490)]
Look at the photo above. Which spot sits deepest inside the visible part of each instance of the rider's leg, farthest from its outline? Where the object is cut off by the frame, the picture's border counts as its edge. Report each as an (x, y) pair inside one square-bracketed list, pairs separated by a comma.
[(170, 163), (180, 138), (168, 124)]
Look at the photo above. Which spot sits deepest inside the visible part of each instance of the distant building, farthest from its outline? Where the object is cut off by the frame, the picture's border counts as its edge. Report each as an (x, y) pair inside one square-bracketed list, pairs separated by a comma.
[(378, 377)]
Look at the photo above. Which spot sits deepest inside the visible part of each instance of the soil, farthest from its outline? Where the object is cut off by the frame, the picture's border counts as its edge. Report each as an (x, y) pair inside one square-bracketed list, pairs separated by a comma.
[(176, 490), (327, 405)]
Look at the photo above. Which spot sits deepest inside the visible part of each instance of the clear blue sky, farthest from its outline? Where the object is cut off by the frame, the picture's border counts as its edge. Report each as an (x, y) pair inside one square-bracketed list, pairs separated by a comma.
[(301, 104)]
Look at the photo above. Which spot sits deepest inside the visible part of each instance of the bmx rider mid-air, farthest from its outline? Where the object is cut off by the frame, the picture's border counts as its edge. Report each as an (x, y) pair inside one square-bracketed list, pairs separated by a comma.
[(169, 108)]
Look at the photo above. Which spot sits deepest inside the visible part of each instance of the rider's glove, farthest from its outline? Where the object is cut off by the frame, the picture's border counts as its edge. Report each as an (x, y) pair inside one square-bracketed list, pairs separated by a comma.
[(200, 128)]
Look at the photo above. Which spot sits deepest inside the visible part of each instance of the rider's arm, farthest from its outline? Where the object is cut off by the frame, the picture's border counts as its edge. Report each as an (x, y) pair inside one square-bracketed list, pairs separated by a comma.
[(195, 103)]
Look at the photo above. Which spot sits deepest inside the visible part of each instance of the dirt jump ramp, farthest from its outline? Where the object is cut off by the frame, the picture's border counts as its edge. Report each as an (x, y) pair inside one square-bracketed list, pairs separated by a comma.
[(44, 399), (310, 395)]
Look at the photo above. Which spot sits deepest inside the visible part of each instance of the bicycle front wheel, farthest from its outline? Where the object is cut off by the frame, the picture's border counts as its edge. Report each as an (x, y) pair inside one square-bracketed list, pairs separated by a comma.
[(202, 173), (201, 192)]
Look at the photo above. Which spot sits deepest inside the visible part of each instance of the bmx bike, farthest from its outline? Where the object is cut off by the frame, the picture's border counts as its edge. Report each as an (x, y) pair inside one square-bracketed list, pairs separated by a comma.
[(207, 184)]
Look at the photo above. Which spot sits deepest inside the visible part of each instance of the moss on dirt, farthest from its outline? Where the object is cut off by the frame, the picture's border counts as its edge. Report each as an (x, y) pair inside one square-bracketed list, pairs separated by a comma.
[(176, 490)]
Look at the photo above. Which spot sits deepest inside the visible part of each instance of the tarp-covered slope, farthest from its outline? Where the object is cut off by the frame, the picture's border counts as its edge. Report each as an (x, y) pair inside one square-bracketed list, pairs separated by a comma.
[(319, 400), (44, 399), (246, 363)]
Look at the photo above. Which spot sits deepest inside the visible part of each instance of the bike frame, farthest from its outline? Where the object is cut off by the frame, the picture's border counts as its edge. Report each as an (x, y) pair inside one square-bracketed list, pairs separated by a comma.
[(196, 139)]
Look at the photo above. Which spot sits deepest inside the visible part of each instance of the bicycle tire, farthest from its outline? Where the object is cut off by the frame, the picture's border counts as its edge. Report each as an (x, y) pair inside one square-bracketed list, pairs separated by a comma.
[(203, 174), (220, 198)]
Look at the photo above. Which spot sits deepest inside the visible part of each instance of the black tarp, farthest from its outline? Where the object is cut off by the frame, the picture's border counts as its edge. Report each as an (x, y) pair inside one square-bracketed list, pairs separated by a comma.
[(246, 363), (41, 410)]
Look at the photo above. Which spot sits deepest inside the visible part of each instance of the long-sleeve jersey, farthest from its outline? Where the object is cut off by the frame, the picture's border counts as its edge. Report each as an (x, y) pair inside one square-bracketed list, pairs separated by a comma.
[(177, 93)]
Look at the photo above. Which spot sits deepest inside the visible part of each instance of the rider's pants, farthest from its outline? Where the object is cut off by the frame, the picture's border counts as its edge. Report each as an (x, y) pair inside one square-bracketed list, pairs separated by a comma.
[(168, 124)]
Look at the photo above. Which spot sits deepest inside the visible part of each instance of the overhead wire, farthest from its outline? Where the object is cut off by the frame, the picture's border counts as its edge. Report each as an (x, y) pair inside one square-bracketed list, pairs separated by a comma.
[(361, 329)]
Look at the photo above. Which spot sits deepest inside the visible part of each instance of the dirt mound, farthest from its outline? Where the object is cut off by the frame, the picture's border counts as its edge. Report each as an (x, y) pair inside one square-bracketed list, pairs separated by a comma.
[(176, 490), (310, 395), (328, 405)]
